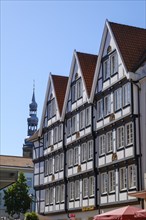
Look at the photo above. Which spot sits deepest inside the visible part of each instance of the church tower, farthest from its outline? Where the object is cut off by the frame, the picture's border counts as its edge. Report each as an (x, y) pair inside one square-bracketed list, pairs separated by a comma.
[(32, 122)]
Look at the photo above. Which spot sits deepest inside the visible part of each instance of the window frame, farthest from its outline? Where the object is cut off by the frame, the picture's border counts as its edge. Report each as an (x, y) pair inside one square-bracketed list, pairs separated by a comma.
[(123, 178), (100, 111), (91, 186), (85, 187), (120, 137), (109, 143), (107, 105), (130, 139), (104, 183), (112, 181), (102, 144), (83, 152), (126, 94), (132, 173), (82, 120), (71, 191)]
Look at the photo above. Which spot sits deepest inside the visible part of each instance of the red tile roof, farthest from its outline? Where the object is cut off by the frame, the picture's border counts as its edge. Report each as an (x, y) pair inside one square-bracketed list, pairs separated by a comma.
[(15, 161), (88, 65), (60, 84), (132, 44)]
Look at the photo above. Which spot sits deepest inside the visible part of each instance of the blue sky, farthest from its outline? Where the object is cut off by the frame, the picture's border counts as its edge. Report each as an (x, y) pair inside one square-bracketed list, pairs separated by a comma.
[(39, 37)]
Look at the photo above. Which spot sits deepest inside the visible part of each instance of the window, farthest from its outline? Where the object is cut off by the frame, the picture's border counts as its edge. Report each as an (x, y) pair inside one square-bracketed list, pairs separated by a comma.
[(76, 155), (71, 188), (61, 161), (55, 136), (104, 182), (111, 181), (105, 70), (129, 133), (99, 109), (83, 152), (91, 186), (102, 144), (57, 197), (68, 127), (45, 140), (123, 178), (50, 138), (113, 63), (118, 99), (82, 119), (126, 94), (74, 124), (132, 176), (73, 93), (51, 195), (29, 182), (109, 141), (107, 105), (90, 149), (60, 132), (70, 157), (47, 197), (50, 167), (57, 163), (46, 167), (77, 189), (62, 193), (79, 89), (85, 187), (120, 137), (51, 108), (88, 116)]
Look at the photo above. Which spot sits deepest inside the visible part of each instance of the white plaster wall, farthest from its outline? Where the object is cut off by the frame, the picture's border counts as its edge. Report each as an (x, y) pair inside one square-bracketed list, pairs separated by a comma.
[(143, 123)]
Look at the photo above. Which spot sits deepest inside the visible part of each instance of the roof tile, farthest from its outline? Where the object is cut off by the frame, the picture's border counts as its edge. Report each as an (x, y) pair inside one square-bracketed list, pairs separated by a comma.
[(15, 161), (60, 84), (131, 42), (88, 65)]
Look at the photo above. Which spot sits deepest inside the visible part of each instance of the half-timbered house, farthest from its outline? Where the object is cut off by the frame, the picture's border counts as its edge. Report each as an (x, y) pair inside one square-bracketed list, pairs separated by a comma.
[(117, 116), (89, 152)]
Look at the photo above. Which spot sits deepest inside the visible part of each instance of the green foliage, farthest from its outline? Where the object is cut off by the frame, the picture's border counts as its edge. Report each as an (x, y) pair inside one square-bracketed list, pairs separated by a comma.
[(31, 216), (16, 197)]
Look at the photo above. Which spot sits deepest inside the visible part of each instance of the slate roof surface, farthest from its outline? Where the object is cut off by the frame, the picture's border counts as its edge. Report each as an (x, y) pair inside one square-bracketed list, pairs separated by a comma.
[(88, 65), (60, 84), (15, 161), (132, 44)]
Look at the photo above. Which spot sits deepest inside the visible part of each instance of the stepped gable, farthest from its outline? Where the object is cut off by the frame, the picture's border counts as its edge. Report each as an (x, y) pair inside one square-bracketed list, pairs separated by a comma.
[(60, 84), (132, 44), (88, 65)]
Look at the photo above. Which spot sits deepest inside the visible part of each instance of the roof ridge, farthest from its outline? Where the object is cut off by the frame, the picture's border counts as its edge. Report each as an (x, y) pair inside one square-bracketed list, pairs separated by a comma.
[(131, 26), (87, 53), (59, 75), (14, 156)]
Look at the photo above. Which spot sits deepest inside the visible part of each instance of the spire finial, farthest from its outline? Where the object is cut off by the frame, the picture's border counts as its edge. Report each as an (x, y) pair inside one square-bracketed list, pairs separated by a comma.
[(33, 85)]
